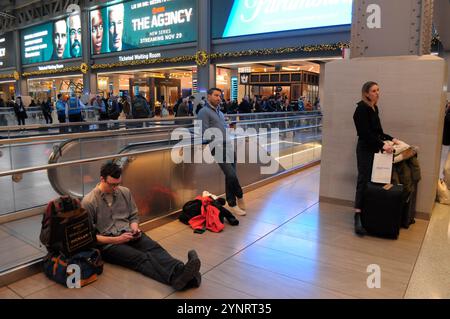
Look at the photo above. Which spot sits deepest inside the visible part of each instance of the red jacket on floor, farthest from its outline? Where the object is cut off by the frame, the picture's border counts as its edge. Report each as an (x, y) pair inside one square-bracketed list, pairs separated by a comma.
[(208, 219)]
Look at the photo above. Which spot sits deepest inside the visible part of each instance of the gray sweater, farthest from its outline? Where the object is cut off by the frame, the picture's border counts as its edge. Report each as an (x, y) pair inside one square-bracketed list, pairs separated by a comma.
[(212, 118), (111, 220)]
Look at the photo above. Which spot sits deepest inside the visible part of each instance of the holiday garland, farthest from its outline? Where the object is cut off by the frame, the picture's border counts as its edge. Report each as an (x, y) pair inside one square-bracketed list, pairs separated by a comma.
[(201, 58)]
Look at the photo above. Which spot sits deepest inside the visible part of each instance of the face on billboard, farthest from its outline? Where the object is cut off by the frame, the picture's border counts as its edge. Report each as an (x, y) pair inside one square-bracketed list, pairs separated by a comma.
[(115, 23), (75, 36), (96, 31), (53, 40), (145, 24), (59, 39)]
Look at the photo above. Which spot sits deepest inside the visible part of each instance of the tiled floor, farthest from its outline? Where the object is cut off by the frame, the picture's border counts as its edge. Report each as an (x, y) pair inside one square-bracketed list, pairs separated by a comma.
[(288, 246)]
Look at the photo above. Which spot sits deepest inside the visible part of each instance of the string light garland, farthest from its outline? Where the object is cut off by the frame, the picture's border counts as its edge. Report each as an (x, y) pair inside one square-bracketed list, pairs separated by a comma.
[(7, 76), (63, 70), (279, 51), (201, 58)]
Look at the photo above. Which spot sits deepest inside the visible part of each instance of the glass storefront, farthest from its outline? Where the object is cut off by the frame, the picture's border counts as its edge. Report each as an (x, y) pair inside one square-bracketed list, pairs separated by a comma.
[(7, 90), (41, 89), (291, 80), (157, 86)]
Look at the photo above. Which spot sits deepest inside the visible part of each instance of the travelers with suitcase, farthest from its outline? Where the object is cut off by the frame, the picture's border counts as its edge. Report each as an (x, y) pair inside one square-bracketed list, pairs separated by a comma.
[(371, 140)]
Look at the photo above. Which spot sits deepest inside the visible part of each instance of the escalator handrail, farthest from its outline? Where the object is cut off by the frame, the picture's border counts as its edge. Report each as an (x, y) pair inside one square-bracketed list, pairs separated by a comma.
[(109, 157), (83, 135), (68, 124), (137, 130)]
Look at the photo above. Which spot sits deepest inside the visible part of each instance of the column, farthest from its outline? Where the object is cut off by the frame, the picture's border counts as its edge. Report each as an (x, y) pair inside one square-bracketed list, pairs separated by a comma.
[(391, 28), (391, 42), (20, 86), (90, 78), (206, 75), (322, 83)]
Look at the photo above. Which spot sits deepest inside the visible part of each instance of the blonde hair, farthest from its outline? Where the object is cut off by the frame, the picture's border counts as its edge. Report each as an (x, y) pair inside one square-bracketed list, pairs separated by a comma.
[(366, 89)]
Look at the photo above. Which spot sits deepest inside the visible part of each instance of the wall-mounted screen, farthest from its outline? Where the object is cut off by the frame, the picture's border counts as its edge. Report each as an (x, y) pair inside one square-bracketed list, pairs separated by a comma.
[(7, 55), (234, 18), (142, 24), (56, 40)]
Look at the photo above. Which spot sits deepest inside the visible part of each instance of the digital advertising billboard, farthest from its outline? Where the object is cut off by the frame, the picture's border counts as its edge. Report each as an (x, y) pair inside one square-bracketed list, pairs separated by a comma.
[(56, 40), (235, 18), (142, 24), (7, 56)]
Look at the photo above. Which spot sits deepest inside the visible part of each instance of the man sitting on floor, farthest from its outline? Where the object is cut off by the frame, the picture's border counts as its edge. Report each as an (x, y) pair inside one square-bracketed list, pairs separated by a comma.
[(115, 217)]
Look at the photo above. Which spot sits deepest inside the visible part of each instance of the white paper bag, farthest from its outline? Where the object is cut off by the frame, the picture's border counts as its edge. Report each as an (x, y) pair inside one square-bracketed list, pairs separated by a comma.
[(382, 168), (443, 193), (447, 171)]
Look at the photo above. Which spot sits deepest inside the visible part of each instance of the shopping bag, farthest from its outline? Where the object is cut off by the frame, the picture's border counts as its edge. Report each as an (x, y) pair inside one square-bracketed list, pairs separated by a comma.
[(382, 168), (447, 170), (443, 193)]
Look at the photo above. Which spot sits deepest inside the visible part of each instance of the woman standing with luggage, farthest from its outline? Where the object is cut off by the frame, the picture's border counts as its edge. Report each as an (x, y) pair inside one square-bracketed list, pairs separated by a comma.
[(370, 141)]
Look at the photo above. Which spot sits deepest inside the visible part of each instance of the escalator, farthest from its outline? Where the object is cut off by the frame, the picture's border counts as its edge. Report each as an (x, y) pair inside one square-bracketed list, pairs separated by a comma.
[(160, 185)]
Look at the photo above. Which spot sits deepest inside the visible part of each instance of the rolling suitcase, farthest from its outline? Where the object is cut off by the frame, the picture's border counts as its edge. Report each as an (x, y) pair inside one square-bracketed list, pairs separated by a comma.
[(382, 210)]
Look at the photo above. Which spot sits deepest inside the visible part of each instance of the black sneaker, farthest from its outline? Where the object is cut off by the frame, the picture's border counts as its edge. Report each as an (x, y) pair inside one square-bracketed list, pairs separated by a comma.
[(188, 272)]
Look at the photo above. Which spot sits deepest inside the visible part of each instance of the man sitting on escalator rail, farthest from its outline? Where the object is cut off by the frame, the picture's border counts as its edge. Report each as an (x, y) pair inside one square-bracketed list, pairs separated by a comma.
[(115, 217)]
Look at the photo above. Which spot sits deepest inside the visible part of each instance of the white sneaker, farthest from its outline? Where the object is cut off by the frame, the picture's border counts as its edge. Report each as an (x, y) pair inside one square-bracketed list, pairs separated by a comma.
[(235, 210), (241, 203)]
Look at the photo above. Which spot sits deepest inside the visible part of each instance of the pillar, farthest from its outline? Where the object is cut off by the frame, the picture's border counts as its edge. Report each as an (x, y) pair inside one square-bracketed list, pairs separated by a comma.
[(90, 78), (391, 28), (206, 75), (391, 42), (21, 85)]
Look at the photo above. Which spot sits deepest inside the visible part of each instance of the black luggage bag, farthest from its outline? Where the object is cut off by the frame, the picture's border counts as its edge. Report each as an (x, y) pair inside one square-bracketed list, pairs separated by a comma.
[(409, 210), (382, 210)]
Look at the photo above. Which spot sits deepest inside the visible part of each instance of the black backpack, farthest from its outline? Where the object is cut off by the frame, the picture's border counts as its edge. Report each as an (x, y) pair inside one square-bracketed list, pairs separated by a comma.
[(140, 109), (66, 227), (190, 209)]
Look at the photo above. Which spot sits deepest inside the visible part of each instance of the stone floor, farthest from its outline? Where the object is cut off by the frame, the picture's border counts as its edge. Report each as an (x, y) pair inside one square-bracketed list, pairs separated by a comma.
[(288, 246)]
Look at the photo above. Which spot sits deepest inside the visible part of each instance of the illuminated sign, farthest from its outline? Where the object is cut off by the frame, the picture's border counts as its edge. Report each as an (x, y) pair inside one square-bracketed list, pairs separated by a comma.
[(234, 88), (142, 56), (57, 40), (244, 78), (6, 50), (142, 24), (246, 17), (51, 67)]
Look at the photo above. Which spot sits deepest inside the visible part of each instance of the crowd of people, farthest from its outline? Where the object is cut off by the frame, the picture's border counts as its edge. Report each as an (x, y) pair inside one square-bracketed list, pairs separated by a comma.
[(258, 104), (112, 107)]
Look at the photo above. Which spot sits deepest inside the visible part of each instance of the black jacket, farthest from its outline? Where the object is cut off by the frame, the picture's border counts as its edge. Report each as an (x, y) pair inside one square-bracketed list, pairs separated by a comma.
[(368, 127), (446, 137)]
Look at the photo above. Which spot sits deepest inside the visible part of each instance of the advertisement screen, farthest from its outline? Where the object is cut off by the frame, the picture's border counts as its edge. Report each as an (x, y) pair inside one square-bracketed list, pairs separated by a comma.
[(56, 40), (7, 57), (233, 18), (142, 24)]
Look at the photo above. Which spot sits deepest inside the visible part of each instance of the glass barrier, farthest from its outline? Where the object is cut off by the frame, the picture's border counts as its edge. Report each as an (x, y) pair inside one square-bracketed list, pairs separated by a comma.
[(159, 185)]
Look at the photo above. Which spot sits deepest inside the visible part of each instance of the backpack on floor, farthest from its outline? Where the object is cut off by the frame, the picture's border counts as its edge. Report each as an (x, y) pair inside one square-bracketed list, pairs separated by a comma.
[(66, 227), (89, 262)]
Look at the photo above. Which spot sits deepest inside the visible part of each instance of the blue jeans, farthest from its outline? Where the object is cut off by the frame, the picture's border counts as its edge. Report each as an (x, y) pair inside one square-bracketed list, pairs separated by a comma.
[(145, 256), (233, 189)]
